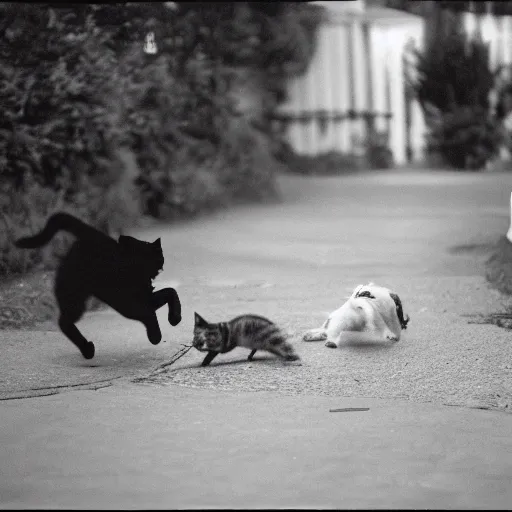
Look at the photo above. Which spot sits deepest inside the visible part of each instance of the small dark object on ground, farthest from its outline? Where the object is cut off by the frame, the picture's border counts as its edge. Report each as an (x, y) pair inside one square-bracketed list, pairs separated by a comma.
[(350, 409), (499, 266)]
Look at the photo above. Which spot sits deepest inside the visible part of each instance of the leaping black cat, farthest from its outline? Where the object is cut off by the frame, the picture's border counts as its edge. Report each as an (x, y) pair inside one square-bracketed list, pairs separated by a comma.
[(117, 273)]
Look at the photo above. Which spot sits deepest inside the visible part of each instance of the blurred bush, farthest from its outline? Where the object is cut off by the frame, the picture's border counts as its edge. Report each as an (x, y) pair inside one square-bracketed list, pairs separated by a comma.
[(378, 154), (93, 125), (453, 82), (467, 137), (330, 163)]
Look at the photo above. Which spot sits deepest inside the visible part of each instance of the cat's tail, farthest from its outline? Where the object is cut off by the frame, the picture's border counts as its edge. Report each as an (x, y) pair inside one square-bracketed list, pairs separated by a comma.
[(57, 222)]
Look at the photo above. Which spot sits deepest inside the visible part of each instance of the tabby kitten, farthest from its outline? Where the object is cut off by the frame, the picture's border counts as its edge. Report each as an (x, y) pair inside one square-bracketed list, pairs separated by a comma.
[(249, 331), (119, 273)]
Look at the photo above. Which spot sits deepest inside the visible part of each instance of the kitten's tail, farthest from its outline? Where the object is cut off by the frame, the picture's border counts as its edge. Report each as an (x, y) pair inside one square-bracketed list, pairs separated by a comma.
[(57, 222)]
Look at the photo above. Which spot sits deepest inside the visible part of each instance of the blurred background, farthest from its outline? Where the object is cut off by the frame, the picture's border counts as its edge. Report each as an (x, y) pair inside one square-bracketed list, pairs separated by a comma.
[(123, 113)]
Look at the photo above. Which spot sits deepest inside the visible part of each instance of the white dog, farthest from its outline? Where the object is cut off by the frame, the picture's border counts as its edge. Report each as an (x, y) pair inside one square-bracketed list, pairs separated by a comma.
[(371, 313)]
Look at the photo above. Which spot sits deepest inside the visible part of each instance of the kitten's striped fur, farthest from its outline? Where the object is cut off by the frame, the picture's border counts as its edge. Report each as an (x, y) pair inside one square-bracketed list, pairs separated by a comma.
[(250, 331)]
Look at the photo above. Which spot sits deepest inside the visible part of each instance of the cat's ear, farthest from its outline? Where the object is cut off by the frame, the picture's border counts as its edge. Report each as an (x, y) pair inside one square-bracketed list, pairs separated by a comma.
[(158, 242), (199, 321)]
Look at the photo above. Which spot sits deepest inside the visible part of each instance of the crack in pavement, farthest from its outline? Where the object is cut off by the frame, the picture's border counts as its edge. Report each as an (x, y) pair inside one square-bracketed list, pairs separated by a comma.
[(27, 396), (94, 385), (162, 367), (75, 385), (54, 390)]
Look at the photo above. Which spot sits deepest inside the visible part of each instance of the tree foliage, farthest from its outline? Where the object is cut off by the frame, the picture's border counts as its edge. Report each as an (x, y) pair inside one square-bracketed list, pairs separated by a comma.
[(453, 71), (453, 85)]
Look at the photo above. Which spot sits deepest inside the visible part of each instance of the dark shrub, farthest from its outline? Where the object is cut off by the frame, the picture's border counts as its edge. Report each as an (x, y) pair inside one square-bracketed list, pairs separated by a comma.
[(467, 137), (453, 82)]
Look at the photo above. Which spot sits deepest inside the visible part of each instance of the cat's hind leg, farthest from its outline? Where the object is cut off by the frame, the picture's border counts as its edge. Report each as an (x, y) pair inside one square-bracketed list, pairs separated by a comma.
[(168, 296), (71, 310), (71, 298), (251, 355), (283, 349)]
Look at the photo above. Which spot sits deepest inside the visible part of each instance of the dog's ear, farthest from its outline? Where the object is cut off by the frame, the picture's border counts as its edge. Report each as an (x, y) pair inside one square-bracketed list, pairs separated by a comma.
[(359, 292), (367, 294), (399, 311)]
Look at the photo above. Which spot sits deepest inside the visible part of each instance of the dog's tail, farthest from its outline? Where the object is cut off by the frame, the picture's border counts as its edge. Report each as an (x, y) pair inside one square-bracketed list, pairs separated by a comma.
[(58, 222)]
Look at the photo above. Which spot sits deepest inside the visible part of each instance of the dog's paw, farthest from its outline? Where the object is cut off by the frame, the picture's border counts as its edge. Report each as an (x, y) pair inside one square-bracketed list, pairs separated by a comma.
[(315, 336), (331, 344)]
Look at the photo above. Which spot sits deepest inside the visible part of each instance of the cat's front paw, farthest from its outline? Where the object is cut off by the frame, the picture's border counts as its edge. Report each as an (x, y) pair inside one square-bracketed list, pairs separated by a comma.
[(88, 350), (390, 337), (331, 344), (174, 319)]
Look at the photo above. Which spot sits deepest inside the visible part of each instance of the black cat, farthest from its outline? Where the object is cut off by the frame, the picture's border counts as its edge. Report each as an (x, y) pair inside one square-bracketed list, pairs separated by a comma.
[(117, 273)]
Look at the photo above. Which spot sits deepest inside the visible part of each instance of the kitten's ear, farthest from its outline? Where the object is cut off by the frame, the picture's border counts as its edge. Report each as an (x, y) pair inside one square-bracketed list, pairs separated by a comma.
[(199, 321), (158, 242)]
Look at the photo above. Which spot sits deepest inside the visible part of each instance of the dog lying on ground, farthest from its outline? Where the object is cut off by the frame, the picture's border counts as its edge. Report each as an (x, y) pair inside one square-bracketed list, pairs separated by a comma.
[(371, 313)]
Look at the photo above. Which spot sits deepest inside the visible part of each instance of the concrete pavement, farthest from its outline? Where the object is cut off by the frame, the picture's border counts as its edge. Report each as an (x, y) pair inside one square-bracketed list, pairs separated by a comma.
[(143, 447), (260, 435)]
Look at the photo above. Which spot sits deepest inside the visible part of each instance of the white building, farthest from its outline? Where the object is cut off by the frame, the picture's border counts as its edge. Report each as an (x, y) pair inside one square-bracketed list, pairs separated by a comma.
[(358, 68)]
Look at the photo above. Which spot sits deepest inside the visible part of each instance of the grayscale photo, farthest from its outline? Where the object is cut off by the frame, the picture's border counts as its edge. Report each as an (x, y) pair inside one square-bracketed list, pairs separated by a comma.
[(256, 255)]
